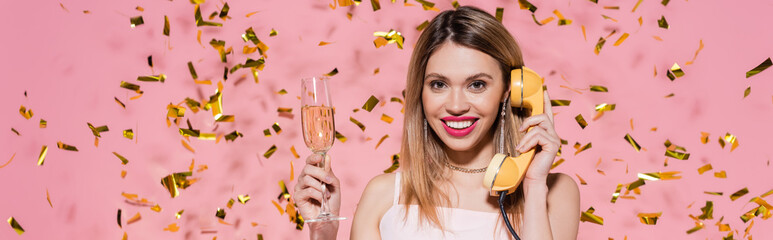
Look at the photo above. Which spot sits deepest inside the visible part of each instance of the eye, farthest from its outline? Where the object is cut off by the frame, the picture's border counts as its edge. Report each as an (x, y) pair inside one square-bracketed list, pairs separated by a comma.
[(477, 85), (435, 84)]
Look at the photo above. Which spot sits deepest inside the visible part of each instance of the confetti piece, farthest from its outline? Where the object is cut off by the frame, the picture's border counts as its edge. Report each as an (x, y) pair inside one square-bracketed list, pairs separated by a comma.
[(370, 103), (15, 225), (729, 138), (662, 23), (649, 218), (123, 173), (43, 123), (759, 68), (166, 26), (360, 125), (555, 164), (230, 203), (608, 17), (14, 131), (134, 219), (704, 168), (632, 142), (561, 20), (713, 193), (323, 43), (295, 154), (612, 7), (220, 213), (384, 38), (596, 88), (176, 180), (704, 137), (581, 149), (131, 86), (700, 47), (185, 144), (721, 174), (582, 181), (500, 11), (156, 208), (655, 176), (581, 121), (707, 211), (664, 2), (747, 91), (599, 45), (172, 227), (272, 33), (27, 114), (224, 12), (616, 194), (63, 146), (556, 102), (739, 194), (620, 41), (524, 4), (332, 73), (233, 135), (381, 140), (136, 21), (386, 118), (9, 161), (395, 164), (97, 130), (270, 151), (243, 198), (200, 21), (698, 226), (588, 216), (340, 137)]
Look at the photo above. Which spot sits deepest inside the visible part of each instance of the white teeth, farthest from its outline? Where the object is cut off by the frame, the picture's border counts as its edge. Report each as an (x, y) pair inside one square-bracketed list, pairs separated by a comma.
[(459, 124)]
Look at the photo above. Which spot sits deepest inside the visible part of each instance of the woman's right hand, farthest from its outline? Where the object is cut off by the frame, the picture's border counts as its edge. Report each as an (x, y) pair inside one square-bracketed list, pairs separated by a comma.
[(308, 196)]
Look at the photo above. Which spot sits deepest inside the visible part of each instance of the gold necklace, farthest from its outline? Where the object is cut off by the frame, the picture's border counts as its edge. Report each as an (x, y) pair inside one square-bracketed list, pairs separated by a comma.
[(466, 170)]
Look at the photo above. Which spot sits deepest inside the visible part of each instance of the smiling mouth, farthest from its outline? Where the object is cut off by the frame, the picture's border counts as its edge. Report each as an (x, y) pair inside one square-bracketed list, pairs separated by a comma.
[(459, 125)]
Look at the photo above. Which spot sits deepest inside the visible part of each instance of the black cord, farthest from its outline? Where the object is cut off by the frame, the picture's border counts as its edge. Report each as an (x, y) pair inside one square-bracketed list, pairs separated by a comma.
[(502, 196)]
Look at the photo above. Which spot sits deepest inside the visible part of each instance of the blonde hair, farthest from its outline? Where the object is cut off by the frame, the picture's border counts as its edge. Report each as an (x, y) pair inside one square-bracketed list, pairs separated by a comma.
[(423, 160)]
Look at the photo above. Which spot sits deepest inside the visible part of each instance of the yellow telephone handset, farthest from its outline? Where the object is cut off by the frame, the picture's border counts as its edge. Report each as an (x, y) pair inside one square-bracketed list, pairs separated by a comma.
[(505, 173)]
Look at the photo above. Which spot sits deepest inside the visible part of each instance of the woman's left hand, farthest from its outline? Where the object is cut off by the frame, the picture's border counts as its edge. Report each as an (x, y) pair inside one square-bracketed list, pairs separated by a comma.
[(543, 134)]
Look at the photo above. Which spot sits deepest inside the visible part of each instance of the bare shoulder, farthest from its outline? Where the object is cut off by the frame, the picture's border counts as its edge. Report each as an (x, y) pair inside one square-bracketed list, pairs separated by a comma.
[(375, 201), (562, 187)]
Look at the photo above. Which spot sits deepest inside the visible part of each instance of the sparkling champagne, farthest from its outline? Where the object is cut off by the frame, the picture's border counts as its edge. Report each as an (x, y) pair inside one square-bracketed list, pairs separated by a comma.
[(318, 127)]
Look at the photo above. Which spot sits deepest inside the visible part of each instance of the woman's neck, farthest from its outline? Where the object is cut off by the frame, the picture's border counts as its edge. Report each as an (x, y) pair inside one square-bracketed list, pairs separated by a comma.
[(478, 156)]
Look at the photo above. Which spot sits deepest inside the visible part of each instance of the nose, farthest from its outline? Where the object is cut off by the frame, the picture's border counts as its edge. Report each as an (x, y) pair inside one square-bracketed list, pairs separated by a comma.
[(457, 103)]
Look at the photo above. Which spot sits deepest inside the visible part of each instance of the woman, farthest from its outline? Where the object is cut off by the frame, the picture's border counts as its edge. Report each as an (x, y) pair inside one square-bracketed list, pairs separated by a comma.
[(456, 94)]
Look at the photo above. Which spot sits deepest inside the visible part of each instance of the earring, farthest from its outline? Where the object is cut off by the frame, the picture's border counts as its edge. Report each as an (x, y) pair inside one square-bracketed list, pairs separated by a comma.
[(502, 129), (425, 129)]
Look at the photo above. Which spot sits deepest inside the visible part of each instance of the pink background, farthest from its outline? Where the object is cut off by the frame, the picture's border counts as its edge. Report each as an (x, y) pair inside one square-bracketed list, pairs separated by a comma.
[(71, 64)]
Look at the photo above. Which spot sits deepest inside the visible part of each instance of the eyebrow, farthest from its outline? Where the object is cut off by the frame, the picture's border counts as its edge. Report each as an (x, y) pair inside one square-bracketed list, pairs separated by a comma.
[(471, 77)]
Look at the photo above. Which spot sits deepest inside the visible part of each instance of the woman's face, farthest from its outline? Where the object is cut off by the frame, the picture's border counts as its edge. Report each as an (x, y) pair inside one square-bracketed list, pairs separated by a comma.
[(463, 88)]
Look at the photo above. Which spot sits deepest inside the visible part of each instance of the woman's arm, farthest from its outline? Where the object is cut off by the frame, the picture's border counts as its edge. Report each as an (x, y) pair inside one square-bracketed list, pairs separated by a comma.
[(375, 201), (551, 208)]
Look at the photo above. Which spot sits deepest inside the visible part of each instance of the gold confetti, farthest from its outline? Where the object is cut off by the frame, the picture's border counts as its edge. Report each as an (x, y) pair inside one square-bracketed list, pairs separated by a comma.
[(27, 114), (581, 121), (617, 193), (370, 103), (233, 135), (698, 226), (220, 213), (588, 216), (621, 39), (747, 91), (704, 168), (582, 181), (720, 174), (243, 198), (649, 218), (561, 20), (707, 211), (15, 225), (759, 68), (700, 47), (124, 161), (704, 137), (500, 11), (9, 161), (635, 184), (177, 215), (384, 38), (729, 138), (386, 118), (43, 123), (612, 7), (524, 4), (556, 102), (97, 130), (156, 208), (63, 146), (230, 203), (295, 154), (596, 88), (360, 125), (323, 43), (662, 23), (395, 164), (381, 140), (713, 193), (340, 137), (16, 132), (136, 21), (172, 227), (739, 194), (41, 157), (200, 21), (583, 148), (555, 164), (131, 86), (655, 176), (185, 144), (270, 151), (134, 219), (599, 45), (422, 26), (123, 173), (282, 92), (176, 180), (632, 142), (272, 33)]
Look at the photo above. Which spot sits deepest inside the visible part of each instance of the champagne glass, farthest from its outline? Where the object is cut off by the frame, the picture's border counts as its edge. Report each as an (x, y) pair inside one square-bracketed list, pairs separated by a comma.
[(318, 130)]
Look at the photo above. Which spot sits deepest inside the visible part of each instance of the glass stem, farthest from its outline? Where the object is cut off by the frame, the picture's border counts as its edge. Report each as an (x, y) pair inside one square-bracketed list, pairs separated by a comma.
[(324, 209)]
